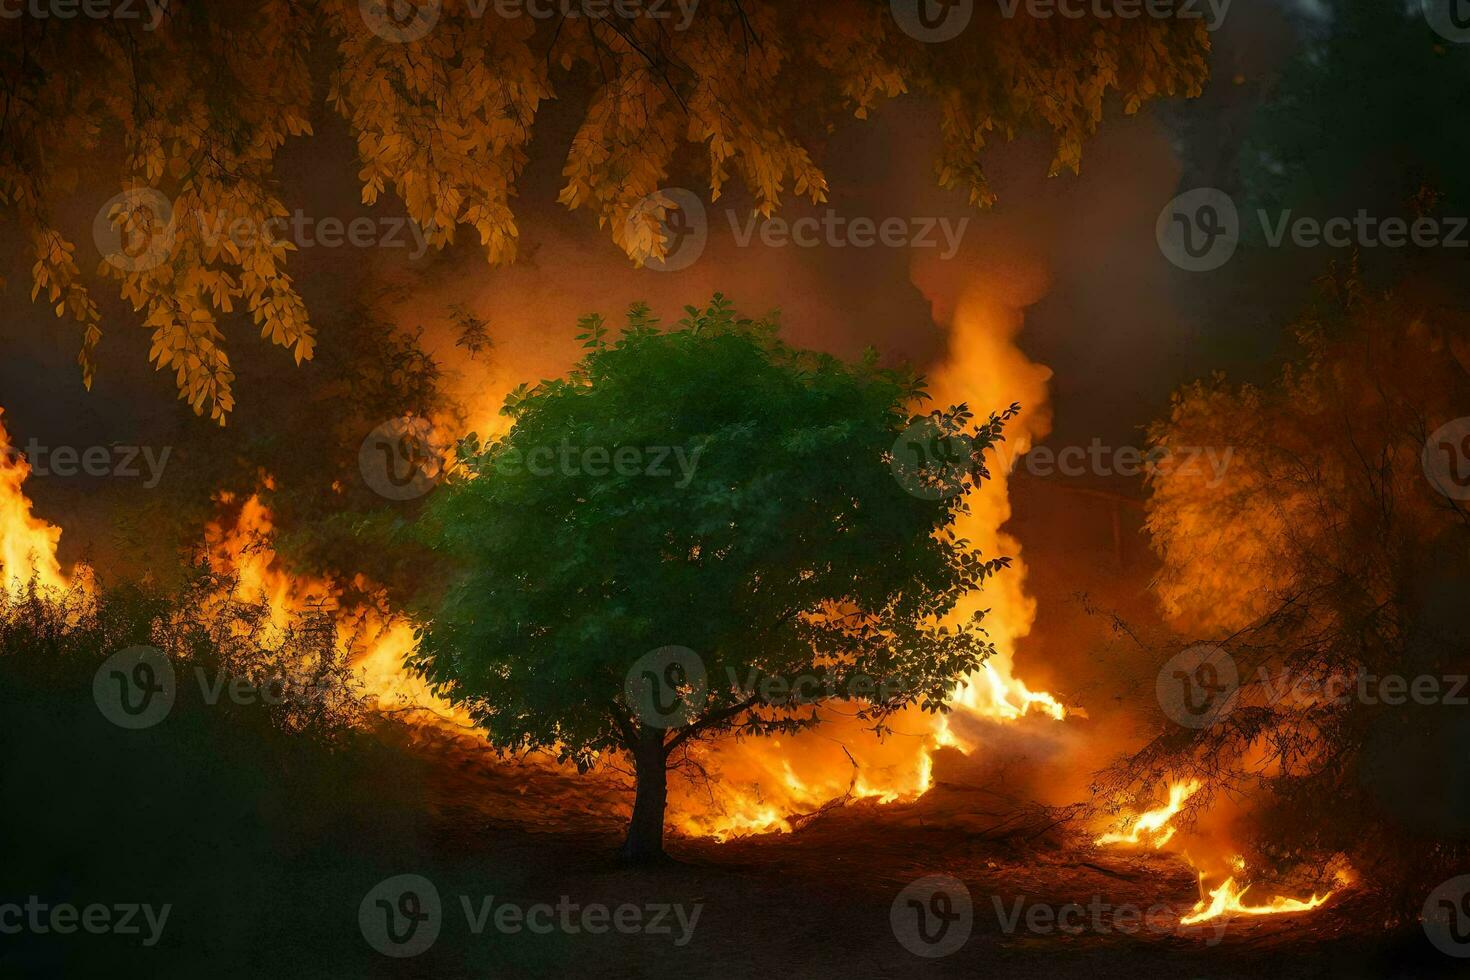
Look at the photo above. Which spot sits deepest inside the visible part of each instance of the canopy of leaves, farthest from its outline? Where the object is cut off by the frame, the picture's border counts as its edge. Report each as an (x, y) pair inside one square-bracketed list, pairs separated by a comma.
[(756, 520), (205, 98)]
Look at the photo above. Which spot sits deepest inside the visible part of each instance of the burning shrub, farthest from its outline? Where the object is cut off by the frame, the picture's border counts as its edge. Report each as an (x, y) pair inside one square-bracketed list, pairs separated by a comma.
[(1330, 571), (299, 668)]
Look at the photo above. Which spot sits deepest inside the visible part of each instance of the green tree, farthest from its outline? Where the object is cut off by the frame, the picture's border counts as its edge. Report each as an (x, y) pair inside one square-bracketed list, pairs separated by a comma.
[(701, 531)]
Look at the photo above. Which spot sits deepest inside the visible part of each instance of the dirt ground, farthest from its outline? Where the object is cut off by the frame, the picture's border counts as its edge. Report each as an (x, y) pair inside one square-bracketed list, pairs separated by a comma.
[(820, 901)]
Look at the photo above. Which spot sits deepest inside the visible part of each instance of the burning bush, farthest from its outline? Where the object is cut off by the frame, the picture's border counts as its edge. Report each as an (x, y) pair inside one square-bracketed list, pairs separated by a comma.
[(1329, 573)]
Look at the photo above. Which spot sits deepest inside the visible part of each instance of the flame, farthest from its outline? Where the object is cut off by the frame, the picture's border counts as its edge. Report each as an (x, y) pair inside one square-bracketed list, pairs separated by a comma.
[(27, 543), (987, 370), (243, 549), (1154, 824), (1229, 899), (764, 785)]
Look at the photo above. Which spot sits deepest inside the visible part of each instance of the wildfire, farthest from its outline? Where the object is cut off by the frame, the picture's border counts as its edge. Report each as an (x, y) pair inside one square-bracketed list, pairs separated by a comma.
[(986, 369), (761, 785), (1152, 826), (27, 543)]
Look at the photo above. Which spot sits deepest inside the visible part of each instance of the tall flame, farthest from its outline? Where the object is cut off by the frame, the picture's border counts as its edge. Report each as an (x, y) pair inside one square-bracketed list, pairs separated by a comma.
[(27, 543), (987, 370)]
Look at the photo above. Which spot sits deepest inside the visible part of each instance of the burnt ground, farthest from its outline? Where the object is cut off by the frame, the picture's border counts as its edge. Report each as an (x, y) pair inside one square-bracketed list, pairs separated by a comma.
[(269, 852), (818, 902)]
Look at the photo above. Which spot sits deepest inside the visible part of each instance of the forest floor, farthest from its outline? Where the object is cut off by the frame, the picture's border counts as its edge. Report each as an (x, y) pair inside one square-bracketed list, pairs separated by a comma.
[(274, 857), (821, 901)]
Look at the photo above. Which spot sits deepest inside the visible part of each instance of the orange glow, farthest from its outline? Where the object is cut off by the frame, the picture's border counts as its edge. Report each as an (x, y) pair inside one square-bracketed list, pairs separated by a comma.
[(988, 371), (762, 785), (27, 543)]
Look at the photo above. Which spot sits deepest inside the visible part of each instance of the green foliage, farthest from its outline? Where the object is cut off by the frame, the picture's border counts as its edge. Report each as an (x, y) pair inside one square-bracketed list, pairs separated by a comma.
[(774, 541), (1362, 113)]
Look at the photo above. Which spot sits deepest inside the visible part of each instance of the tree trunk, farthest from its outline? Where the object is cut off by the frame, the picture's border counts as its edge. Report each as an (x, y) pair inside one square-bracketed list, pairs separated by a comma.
[(645, 841)]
